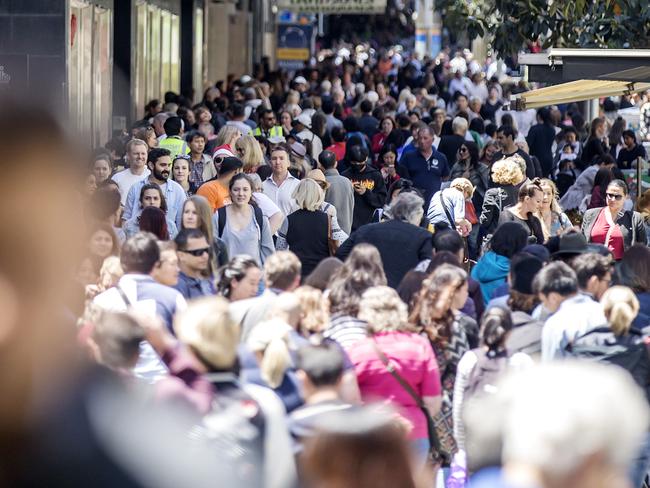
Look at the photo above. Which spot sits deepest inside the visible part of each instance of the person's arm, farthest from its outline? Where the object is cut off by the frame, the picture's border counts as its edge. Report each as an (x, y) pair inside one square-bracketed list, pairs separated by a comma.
[(463, 371), (444, 171), (377, 197), (281, 243), (349, 388), (266, 243), (640, 232), (345, 249), (488, 211), (275, 221), (426, 249), (130, 203), (337, 233), (433, 404)]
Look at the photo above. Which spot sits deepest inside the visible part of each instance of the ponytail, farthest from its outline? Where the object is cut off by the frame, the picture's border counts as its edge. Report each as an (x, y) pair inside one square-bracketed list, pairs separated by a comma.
[(621, 307), (275, 362), (496, 324)]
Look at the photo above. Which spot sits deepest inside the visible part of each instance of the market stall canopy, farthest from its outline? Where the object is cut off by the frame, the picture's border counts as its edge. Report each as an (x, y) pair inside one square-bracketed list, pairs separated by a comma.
[(574, 91), (334, 6)]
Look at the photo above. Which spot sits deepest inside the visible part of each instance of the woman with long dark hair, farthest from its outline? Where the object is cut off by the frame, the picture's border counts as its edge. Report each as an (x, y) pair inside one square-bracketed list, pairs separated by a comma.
[(603, 178), (152, 196), (153, 219), (525, 210), (239, 279)]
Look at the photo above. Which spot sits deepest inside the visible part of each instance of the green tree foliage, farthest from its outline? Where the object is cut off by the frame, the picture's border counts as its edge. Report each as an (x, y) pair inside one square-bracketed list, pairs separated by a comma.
[(510, 24)]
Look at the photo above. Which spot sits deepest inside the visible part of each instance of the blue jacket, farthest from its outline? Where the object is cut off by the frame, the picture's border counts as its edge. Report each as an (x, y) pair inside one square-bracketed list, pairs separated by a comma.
[(491, 271), (642, 320)]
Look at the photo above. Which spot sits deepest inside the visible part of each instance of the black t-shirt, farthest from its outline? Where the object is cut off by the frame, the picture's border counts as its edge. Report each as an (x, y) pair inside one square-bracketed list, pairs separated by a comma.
[(627, 156), (530, 167)]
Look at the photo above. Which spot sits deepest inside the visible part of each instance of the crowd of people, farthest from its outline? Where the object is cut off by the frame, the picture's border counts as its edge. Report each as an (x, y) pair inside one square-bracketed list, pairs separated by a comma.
[(374, 276)]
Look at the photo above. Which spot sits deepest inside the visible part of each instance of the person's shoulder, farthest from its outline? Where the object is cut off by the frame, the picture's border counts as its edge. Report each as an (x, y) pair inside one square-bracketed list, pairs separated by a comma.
[(176, 186)]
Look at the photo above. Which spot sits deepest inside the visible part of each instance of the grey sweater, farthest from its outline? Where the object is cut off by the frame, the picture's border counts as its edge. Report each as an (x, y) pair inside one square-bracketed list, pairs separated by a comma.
[(341, 195)]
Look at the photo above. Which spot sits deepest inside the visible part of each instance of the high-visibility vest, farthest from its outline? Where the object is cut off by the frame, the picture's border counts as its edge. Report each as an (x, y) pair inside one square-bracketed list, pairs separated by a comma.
[(276, 131), (175, 145)]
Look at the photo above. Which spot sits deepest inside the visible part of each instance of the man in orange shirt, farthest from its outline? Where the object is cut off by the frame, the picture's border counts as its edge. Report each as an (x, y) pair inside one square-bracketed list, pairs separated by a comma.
[(216, 190)]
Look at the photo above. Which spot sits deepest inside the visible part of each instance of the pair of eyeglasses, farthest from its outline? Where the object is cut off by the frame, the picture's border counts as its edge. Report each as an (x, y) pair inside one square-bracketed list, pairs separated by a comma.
[(614, 196), (196, 252)]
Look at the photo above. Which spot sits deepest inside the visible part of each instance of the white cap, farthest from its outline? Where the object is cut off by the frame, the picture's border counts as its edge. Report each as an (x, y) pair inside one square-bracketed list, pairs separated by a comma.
[(304, 119), (372, 96), (300, 79), (245, 79)]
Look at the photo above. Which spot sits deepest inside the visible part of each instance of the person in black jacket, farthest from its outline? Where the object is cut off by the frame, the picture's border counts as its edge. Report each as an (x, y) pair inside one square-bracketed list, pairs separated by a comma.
[(400, 241), (540, 140), (369, 188)]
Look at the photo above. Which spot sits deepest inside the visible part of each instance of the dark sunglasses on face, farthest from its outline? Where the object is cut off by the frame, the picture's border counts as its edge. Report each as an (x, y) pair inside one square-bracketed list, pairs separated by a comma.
[(196, 252), (614, 196)]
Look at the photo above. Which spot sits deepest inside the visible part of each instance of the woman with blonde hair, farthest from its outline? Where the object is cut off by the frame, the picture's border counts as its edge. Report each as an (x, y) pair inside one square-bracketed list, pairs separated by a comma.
[(270, 342), (250, 153), (554, 221), (307, 232), (225, 143), (508, 176), (394, 343), (314, 310)]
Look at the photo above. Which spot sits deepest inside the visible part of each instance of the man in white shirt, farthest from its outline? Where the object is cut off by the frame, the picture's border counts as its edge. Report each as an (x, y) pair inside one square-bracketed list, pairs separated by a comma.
[(573, 313), (159, 163), (280, 186), (136, 153)]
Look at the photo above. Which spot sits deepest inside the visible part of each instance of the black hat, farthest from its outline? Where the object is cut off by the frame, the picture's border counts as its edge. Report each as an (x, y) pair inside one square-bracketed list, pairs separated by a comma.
[(523, 268), (571, 244)]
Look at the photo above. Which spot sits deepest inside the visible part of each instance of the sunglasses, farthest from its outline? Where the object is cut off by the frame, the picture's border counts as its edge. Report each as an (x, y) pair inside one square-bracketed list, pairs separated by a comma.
[(196, 252), (614, 196)]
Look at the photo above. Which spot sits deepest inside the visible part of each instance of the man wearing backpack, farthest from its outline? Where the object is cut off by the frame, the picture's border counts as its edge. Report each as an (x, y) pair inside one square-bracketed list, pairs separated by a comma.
[(573, 313)]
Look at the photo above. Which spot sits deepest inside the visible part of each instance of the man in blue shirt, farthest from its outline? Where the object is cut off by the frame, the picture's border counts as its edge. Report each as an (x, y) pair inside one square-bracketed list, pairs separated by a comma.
[(159, 163), (426, 167), (195, 279)]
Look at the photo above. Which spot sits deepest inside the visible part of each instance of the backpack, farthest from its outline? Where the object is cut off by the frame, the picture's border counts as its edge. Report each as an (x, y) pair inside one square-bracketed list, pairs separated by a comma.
[(221, 216), (488, 370), (632, 354), (234, 430)]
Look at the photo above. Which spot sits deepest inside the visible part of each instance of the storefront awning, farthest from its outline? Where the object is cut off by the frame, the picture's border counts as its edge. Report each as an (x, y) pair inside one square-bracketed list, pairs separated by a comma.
[(334, 6), (574, 91)]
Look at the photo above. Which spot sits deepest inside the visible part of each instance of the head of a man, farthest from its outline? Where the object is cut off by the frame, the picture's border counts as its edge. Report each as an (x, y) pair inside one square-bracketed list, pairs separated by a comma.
[(196, 142), (554, 284), (140, 253), (320, 367), (173, 126), (280, 160), (268, 119), (282, 271), (506, 135), (193, 252), (594, 272), (159, 162), (407, 207), (425, 138), (358, 156), (136, 152)]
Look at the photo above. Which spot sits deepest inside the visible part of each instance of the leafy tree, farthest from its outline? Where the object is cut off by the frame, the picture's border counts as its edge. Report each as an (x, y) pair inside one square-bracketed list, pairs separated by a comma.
[(511, 24)]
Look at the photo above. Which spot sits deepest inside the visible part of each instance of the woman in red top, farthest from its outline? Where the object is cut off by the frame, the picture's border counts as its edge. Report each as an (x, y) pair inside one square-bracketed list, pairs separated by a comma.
[(612, 226), (386, 125)]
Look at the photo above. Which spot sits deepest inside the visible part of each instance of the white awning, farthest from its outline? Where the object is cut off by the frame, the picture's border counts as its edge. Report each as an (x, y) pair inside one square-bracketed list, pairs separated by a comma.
[(574, 91)]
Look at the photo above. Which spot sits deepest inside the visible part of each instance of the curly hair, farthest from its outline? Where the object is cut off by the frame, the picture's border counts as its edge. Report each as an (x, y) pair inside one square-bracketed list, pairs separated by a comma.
[(432, 312), (362, 269), (507, 172), (314, 314)]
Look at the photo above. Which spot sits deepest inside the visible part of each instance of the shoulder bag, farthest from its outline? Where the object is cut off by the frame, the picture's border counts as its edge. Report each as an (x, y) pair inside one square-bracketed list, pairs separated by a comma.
[(436, 454)]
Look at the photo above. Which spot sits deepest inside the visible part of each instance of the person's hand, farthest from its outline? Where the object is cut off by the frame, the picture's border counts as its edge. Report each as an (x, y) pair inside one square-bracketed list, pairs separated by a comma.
[(464, 227), (359, 188)]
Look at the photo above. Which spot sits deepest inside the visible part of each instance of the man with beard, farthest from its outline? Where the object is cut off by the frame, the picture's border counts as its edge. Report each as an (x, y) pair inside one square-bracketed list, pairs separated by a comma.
[(159, 163), (369, 188)]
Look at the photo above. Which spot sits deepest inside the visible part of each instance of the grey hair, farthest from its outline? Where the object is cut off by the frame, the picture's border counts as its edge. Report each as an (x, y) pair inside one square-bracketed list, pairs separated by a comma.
[(405, 207)]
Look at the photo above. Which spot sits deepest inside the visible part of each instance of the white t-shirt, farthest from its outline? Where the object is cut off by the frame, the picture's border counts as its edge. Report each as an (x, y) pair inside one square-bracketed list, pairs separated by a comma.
[(125, 180), (266, 205)]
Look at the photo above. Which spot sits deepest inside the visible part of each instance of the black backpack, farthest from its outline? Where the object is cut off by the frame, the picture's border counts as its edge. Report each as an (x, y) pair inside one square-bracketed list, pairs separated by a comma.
[(234, 429), (630, 352), (489, 368), (221, 216)]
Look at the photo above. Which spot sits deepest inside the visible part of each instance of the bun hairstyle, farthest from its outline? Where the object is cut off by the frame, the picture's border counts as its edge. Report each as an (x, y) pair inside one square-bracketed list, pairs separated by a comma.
[(271, 339), (621, 307), (496, 324)]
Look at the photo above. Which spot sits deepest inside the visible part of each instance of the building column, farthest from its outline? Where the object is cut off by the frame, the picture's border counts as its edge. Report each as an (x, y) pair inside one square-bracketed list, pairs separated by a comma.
[(122, 97)]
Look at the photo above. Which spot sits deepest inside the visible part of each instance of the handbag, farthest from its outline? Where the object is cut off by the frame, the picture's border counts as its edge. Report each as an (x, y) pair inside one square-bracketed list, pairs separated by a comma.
[(437, 455)]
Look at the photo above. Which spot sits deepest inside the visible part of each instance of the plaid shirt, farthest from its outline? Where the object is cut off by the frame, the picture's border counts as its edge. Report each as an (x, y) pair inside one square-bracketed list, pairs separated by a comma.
[(196, 171)]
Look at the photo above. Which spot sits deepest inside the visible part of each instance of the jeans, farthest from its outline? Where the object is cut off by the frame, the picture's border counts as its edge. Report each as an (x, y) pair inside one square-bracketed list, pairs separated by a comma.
[(641, 464)]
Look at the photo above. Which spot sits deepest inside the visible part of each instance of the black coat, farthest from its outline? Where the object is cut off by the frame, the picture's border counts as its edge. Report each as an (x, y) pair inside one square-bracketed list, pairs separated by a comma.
[(401, 246)]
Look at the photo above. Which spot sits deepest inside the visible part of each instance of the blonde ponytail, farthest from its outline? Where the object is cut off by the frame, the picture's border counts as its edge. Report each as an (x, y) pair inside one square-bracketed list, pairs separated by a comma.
[(620, 306), (270, 339), (275, 362)]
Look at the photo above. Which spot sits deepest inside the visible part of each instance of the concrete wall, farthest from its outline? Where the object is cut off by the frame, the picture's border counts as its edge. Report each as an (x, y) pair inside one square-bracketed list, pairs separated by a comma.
[(228, 49)]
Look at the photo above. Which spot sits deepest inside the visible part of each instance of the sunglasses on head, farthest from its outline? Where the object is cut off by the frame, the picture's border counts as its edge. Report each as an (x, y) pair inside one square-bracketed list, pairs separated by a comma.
[(196, 252), (613, 196)]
